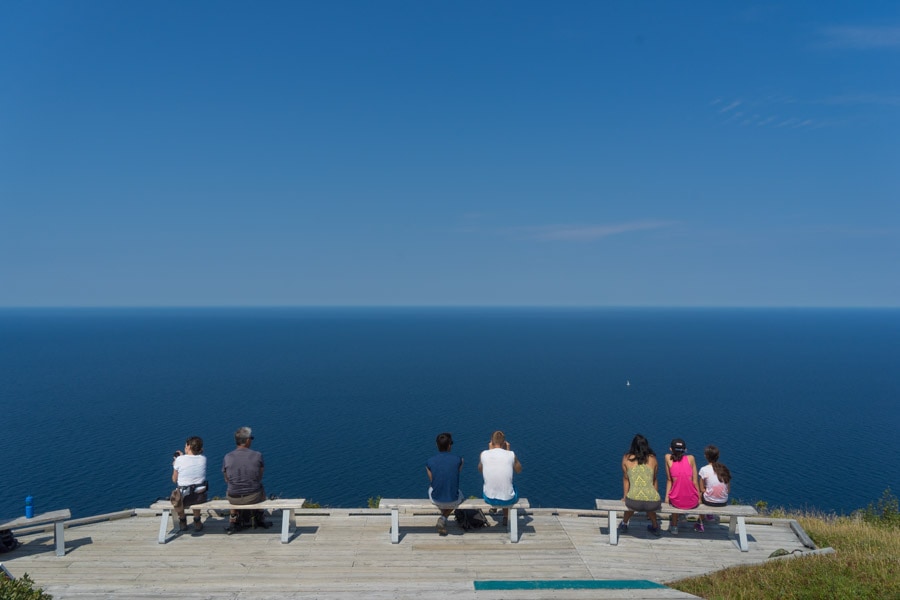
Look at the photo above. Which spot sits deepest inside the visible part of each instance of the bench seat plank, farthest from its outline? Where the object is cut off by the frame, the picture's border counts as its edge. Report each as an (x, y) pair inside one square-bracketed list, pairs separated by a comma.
[(736, 512), (421, 504), (287, 506), (56, 517)]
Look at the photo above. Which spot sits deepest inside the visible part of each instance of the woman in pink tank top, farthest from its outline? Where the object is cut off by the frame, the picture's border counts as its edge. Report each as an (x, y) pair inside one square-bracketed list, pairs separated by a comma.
[(682, 483)]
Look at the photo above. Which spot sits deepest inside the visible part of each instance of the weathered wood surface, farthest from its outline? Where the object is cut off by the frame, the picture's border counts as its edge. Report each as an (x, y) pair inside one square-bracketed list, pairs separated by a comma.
[(287, 506), (41, 519), (54, 519), (276, 504), (422, 505), (743, 510), (735, 512), (343, 554)]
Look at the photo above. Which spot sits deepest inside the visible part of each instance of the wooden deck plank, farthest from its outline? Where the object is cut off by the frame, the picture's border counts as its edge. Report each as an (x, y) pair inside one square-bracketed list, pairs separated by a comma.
[(347, 554)]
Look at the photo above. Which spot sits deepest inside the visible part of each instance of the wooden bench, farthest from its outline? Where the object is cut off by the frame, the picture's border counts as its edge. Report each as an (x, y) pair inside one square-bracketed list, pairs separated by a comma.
[(56, 517), (735, 512), (425, 505), (287, 506)]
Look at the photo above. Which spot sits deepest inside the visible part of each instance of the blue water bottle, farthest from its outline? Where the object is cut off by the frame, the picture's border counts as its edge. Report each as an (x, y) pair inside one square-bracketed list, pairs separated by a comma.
[(29, 507)]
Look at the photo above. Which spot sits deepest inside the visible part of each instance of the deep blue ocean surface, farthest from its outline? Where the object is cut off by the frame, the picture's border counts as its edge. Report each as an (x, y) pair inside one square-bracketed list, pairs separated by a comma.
[(345, 403)]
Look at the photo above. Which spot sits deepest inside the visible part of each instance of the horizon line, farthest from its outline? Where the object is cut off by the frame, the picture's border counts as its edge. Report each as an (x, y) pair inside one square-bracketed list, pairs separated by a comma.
[(447, 306)]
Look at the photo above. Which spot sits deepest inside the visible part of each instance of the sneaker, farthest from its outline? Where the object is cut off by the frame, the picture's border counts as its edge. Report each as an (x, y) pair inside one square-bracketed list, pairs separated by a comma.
[(442, 525), (673, 529), (623, 527), (261, 523), (653, 530), (699, 526)]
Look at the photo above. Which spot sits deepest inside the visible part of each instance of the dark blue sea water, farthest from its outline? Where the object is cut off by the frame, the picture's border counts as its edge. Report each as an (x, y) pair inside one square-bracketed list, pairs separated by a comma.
[(345, 403)]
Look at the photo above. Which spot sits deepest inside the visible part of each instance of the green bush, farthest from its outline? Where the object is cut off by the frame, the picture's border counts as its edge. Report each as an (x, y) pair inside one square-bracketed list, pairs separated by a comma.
[(884, 513), (21, 589)]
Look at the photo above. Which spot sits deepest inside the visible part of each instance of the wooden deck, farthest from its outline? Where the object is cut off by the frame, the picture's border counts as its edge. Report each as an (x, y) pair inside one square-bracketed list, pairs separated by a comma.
[(342, 553)]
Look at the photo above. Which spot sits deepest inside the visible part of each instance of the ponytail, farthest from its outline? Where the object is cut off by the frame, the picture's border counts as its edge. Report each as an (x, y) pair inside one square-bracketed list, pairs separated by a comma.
[(722, 472)]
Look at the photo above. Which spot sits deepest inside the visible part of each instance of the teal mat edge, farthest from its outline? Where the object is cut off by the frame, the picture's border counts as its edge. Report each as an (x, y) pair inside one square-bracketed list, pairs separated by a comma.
[(570, 584)]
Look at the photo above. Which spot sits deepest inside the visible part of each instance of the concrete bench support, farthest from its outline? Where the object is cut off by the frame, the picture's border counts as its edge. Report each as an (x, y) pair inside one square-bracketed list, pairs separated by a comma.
[(56, 517), (423, 505), (288, 508), (735, 512)]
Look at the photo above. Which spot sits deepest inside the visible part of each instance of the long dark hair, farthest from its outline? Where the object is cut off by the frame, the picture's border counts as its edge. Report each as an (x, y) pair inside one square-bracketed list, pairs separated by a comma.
[(678, 448), (640, 449), (712, 456)]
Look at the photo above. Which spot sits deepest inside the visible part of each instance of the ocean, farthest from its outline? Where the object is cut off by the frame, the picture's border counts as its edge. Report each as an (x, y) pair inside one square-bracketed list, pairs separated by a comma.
[(345, 403)]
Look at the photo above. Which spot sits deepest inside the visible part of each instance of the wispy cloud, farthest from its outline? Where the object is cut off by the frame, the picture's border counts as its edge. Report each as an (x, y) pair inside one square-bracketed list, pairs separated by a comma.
[(860, 38), (860, 232), (760, 113), (581, 233), (730, 106), (857, 99), (779, 111), (795, 123)]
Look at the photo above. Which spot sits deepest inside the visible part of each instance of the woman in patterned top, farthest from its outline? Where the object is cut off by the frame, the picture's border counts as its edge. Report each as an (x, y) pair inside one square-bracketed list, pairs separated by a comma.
[(639, 468)]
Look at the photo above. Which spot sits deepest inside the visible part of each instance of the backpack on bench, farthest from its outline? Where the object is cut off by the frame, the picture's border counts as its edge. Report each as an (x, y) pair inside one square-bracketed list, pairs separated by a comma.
[(8, 541), (470, 518)]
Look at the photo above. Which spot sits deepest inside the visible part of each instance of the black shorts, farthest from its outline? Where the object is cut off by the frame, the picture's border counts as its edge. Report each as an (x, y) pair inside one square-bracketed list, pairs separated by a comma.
[(643, 505), (714, 503)]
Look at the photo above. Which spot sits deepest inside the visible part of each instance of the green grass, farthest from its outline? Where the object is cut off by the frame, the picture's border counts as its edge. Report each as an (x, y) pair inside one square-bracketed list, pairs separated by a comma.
[(864, 565)]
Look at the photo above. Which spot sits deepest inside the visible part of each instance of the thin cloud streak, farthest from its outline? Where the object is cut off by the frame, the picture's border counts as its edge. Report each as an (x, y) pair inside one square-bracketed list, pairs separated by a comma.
[(863, 99), (731, 106), (861, 38), (762, 113), (581, 233)]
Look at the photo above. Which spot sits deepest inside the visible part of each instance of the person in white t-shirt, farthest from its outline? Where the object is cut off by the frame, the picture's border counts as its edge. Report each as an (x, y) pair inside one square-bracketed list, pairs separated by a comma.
[(497, 465), (189, 474), (715, 483)]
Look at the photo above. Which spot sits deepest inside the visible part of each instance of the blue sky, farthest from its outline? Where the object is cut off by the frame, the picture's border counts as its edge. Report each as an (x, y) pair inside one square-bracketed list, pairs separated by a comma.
[(449, 153)]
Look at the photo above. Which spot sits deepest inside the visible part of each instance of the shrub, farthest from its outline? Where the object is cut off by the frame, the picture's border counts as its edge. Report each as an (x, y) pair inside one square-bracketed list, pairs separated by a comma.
[(21, 589), (884, 513)]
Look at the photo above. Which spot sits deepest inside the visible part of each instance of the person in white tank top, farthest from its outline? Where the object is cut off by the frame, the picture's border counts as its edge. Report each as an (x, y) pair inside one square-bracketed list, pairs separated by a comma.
[(498, 464)]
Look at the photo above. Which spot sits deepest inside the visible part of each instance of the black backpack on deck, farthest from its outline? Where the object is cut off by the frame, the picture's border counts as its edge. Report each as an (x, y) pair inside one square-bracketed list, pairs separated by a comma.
[(8, 541), (470, 518)]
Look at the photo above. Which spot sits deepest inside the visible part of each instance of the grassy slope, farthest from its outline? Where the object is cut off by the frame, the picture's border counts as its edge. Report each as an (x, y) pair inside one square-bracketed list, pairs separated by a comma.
[(866, 564)]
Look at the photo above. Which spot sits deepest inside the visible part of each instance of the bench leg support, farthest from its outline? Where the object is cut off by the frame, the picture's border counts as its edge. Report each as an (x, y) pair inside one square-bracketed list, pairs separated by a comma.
[(59, 538), (287, 517), (514, 525), (741, 524), (163, 525), (395, 525), (612, 520)]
